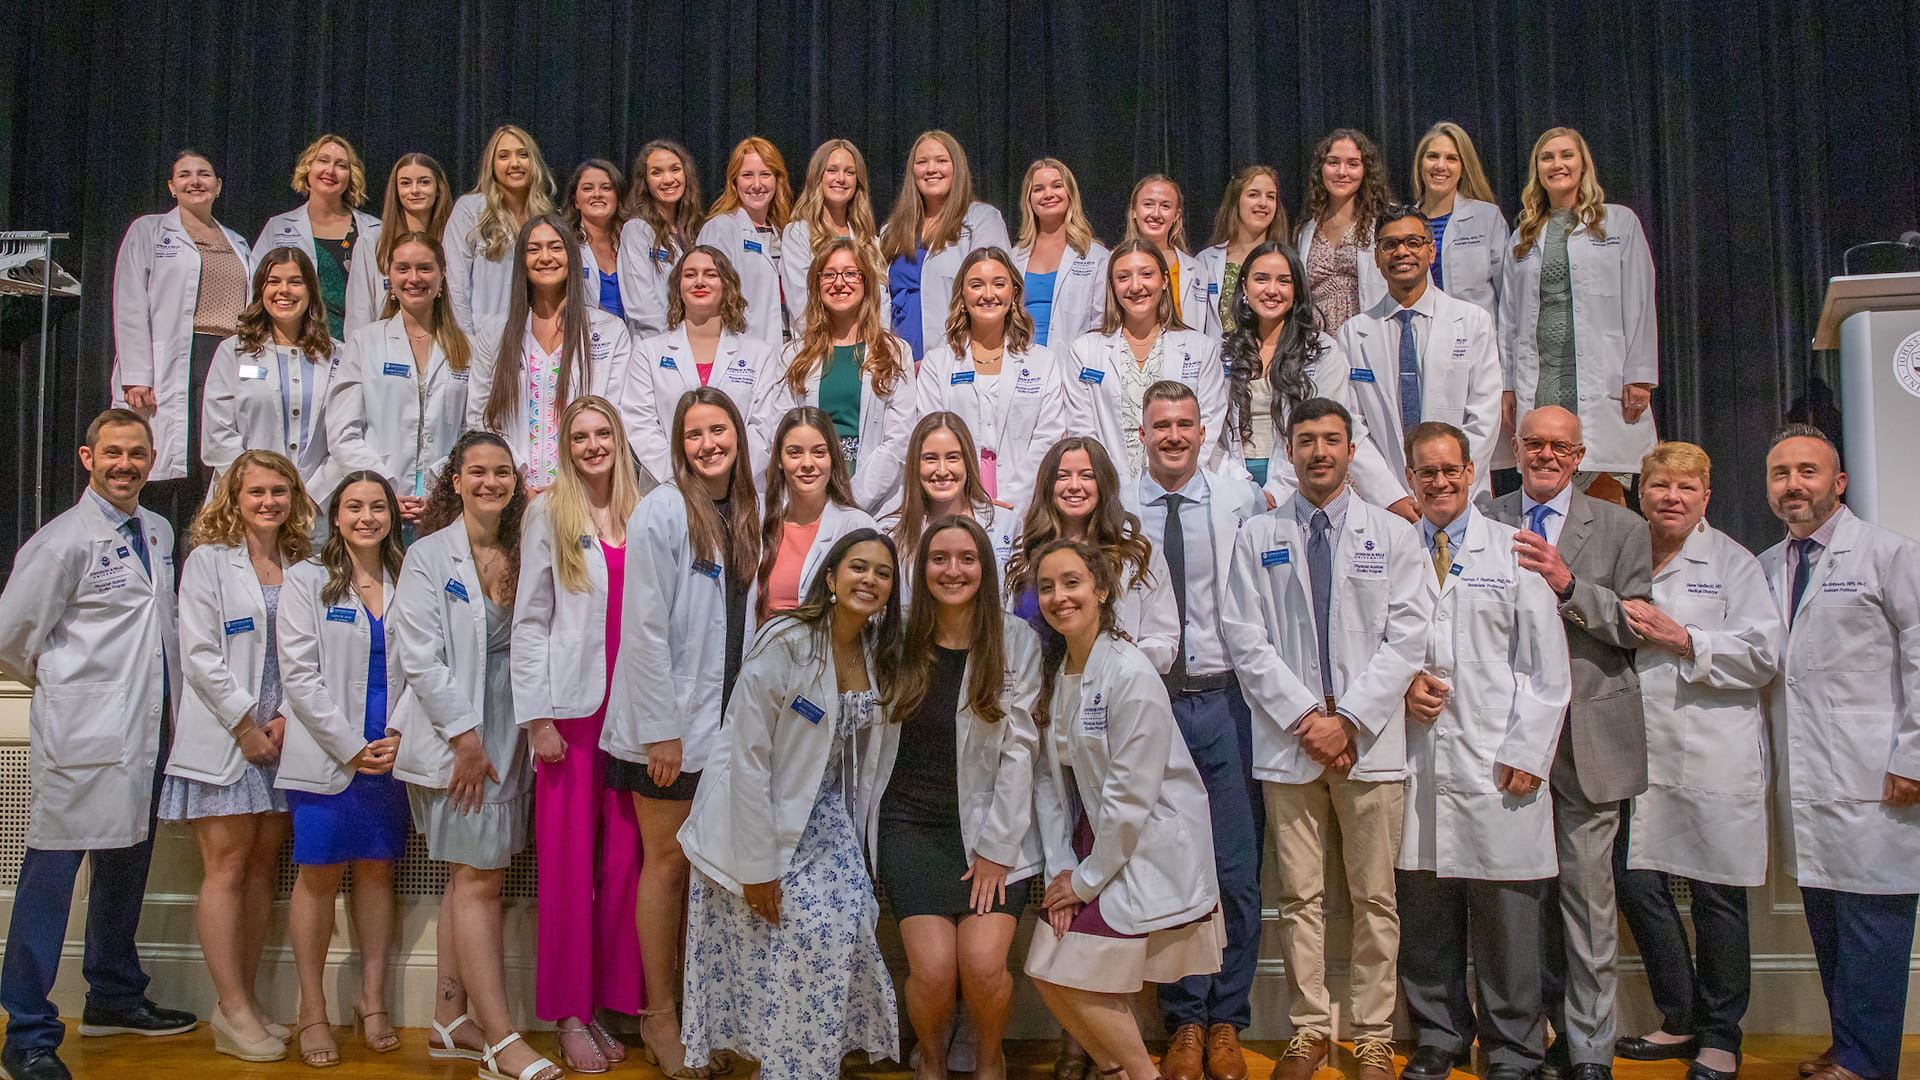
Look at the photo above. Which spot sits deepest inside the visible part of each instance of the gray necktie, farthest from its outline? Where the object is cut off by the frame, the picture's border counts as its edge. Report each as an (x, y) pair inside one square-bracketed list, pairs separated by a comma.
[(1173, 546), (1320, 572), (1409, 372)]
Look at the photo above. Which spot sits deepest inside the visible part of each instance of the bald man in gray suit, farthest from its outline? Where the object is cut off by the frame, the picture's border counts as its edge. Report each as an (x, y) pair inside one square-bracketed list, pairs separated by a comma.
[(1594, 554)]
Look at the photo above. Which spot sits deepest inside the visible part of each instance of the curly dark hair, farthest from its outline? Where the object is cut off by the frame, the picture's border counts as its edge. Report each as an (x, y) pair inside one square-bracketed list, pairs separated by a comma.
[(1297, 351), (444, 506)]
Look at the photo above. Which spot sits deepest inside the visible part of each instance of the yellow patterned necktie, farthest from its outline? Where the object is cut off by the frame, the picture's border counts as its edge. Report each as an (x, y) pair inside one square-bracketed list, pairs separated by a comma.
[(1442, 557)]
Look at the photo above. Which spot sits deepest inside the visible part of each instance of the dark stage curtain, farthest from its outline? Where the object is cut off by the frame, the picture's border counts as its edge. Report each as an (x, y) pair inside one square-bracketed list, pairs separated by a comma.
[(1755, 140)]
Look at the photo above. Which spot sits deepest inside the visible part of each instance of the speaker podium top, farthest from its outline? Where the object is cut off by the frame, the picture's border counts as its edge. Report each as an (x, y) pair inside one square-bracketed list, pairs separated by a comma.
[(1863, 292)]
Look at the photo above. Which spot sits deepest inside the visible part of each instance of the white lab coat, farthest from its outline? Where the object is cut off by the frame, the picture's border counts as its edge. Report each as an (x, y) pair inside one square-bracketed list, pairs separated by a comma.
[(559, 636), (478, 287), (645, 272), (836, 521), (1373, 284), (759, 785), (982, 227), (367, 287), (1472, 252), (796, 272), (994, 767), (1496, 639), (886, 423), (1616, 338), (1152, 860), (750, 251), (1029, 413), (1459, 383), (1381, 604), (94, 635), (1092, 375), (382, 415), (1199, 297), (323, 672), (294, 229), (673, 638), (1332, 379), (1704, 813), (223, 646), (438, 627), (662, 369), (246, 408), (1079, 293), (608, 351), (156, 284), (1846, 711)]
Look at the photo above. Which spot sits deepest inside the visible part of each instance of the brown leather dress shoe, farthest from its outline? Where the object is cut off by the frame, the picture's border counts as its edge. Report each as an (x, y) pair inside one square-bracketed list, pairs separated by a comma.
[(1833, 1070), (1808, 1068), (1224, 1060), (1376, 1059), (1304, 1053), (1183, 1060)]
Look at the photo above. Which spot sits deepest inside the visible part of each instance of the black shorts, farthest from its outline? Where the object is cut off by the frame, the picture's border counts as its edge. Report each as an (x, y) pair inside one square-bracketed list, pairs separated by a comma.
[(632, 777)]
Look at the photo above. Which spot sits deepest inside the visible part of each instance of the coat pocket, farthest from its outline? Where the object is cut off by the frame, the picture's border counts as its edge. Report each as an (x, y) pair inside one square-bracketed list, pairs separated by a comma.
[(1861, 746), (82, 725)]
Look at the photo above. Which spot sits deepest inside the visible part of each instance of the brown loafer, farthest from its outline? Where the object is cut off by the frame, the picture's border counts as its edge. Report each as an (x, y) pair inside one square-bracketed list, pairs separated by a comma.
[(1833, 1070), (1808, 1068), (1224, 1059), (1303, 1055), (1376, 1059), (1183, 1060)]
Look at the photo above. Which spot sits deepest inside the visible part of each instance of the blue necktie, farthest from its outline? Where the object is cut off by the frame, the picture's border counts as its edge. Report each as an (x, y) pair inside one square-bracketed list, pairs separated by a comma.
[(1320, 573), (1809, 550), (137, 539), (1537, 520), (1409, 372)]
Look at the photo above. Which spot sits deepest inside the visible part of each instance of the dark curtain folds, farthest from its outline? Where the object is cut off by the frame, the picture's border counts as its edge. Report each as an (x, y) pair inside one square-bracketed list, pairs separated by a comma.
[(1755, 140)]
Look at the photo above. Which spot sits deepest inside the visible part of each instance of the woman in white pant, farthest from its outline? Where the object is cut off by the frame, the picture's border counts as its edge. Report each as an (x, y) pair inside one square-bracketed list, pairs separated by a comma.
[(836, 201), (514, 186), (418, 200), (229, 731), (663, 216)]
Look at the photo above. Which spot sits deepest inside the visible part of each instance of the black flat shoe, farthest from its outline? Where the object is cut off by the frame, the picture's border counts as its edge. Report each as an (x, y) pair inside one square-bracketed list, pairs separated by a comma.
[(39, 1063), (1511, 1072), (1634, 1048), (145, 1018), (1432, 1063), (1697, 1071)]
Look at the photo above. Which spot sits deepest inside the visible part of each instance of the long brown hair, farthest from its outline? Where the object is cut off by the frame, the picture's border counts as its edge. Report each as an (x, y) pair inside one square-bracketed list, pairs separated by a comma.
[(777, 499), (781, 208), (1166, 312), (571, 212), (334, 555), (1374, 194), (444, 507), (902, 234), (1053, 645), (673, 231), (733, 305), (812, 207), (445, 329), (986, 630), (1227, 218), (1111, 527), (393, 216), (911, 518), (576, 355), (883, 364), (1590, 199), (1019, 320), (707, 534), (219, 522), (882, 633), (255, 329)]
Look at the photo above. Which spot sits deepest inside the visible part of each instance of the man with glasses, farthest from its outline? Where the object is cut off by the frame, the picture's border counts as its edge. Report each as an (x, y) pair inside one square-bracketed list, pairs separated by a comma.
[(1418, 355), (1593, 554)]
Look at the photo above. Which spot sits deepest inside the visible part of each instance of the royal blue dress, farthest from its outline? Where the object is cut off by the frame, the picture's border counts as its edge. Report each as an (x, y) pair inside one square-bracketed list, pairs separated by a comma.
[(370, 819)]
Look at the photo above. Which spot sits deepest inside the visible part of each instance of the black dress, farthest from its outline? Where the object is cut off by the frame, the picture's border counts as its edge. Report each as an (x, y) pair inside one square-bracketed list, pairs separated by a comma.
[(921, 855)]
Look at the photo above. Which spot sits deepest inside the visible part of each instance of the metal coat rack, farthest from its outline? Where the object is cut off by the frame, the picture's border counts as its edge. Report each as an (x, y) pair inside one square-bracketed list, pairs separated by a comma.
[(16, 254)]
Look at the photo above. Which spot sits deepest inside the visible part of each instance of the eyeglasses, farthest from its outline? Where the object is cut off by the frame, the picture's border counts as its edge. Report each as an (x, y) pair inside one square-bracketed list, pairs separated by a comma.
[(1430, 474), (851, 277), (1558, 449), (1391, 244)]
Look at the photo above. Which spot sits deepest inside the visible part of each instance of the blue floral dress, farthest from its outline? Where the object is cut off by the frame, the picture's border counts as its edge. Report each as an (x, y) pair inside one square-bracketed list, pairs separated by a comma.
[(799, 996)]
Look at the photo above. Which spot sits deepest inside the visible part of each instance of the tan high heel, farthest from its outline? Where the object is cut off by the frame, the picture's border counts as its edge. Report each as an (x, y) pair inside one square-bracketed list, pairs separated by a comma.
[(675, 1070), (383, 1044), (325, 1057)]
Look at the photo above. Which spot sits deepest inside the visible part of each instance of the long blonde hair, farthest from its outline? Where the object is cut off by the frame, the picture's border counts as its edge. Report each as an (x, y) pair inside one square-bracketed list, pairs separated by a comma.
[(904, 221), (566, 499), (780, 210), (219, 522), (883, 365), (497, 226), (1589, 202), (1177, 234), (1079, 230), (1473, 177), (812, 207)]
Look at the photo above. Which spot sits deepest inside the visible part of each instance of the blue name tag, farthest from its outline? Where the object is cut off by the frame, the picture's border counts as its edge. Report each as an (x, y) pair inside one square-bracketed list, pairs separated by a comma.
[(341, 614), (1277, 557), (707, 568), (662, 255), (961, 378), (239, 626), (122, 552), (1454, 570), (457, 590), (1213, 288), (1360, 374), (667, 362), (1087, 374), (401, 370), (808, 709), (586, 543), (751, 245)]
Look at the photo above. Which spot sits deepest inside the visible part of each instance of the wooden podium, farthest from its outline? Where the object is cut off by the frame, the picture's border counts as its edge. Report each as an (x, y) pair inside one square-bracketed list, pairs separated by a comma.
[(1874, 320)]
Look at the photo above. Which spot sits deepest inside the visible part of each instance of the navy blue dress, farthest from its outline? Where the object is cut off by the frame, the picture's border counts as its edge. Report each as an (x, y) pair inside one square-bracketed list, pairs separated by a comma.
[(369, 820)]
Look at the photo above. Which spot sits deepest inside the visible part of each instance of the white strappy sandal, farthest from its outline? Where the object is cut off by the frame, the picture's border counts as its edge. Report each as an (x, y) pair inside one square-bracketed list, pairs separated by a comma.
[(451, 1051), (540, 1067)]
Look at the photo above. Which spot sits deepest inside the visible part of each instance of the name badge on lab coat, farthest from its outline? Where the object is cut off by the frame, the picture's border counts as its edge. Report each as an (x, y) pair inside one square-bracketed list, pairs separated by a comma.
[(961, 378), (707, 568), (457, 591), (401, 370), (752, 245), (1360, 374), (667, 362), (808, 709), (1088, 374), (1276, 557), (342, 615), (253, 371), (239, 626)]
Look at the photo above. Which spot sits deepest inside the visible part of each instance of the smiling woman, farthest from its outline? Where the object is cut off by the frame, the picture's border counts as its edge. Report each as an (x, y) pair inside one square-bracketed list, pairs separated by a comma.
[(329, 226)]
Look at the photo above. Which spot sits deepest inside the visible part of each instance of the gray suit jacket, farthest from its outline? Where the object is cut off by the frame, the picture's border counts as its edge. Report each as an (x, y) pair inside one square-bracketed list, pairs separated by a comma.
[(1603, 747)]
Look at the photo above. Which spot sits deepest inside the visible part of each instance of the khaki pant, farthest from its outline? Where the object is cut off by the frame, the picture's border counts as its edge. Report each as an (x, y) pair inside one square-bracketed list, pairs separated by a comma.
[(1369, 817)]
